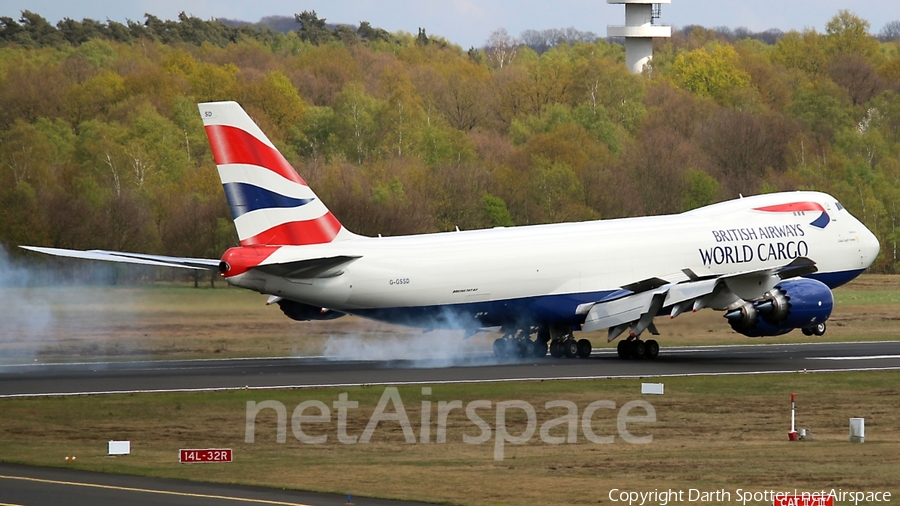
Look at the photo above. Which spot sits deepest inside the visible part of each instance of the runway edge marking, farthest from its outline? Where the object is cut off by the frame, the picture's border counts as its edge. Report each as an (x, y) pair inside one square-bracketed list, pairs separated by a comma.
[(442, 382), (151, 491), (861, 357)]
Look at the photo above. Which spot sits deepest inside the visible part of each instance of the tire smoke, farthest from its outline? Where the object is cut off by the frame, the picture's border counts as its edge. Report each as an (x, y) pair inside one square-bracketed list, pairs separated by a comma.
[(439, 348)]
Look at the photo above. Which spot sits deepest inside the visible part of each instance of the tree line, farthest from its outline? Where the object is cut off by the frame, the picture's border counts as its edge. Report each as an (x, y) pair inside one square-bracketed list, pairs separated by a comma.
[(101, 145)]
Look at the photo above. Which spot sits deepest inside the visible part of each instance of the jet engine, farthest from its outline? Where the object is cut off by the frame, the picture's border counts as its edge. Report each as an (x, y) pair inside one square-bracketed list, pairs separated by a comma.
[(304, 312), (795, 303)]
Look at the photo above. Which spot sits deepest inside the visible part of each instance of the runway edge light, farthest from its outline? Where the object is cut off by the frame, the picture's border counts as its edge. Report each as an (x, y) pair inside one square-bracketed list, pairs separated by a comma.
[(792, 435)]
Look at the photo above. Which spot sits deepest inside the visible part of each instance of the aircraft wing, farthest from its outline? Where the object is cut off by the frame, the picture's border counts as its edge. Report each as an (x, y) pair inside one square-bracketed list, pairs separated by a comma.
[(648, 298), (131, 258)]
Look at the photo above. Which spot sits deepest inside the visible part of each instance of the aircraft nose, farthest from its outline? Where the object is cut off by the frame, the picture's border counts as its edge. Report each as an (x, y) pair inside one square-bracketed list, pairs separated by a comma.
[(869, 247)]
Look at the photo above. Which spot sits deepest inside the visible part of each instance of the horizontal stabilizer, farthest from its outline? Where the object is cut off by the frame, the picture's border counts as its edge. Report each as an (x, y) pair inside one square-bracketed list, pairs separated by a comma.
[(307, 269), (130, 258)]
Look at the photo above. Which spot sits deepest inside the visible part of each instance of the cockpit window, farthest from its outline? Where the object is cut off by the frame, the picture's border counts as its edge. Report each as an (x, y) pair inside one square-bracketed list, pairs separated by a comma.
[(839, 206)]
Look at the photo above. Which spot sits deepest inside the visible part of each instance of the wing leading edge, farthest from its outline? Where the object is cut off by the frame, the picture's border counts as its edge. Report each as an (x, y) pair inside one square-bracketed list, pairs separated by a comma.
[(131, 258)]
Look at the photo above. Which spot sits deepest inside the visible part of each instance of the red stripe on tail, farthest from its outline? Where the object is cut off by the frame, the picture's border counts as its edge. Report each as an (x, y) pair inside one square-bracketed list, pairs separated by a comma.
[(233, 145), (298, 233)]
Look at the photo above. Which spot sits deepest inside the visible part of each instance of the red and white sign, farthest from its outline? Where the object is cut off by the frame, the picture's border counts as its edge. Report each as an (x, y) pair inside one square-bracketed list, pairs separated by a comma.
[(205, 455), (803, 500)]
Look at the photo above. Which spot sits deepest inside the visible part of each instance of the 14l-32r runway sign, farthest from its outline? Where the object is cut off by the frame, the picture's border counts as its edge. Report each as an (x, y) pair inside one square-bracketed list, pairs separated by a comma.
[(205, 455)]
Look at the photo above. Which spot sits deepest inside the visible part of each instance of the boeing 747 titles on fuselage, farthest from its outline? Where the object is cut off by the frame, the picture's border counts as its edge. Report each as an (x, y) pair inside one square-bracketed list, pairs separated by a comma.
[(769, 261)]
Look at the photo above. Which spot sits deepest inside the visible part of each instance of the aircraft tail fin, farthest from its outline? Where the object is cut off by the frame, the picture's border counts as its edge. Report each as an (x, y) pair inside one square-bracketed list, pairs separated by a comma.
[(270, 203)]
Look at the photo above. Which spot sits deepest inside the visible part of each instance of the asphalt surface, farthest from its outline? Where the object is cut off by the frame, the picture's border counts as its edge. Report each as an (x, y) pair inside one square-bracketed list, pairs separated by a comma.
[(36, 486), (187, 375)]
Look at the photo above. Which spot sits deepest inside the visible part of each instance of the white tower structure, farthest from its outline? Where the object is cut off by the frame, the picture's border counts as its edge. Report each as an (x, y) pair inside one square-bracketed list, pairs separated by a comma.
[(639, 30)]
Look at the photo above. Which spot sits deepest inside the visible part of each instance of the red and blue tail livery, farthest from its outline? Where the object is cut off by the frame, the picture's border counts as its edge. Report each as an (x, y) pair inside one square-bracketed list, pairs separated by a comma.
[(270, 203)]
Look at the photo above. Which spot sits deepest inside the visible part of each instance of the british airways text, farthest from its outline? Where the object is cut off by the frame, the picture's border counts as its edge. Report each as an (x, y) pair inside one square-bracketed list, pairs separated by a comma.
[(770, 249)]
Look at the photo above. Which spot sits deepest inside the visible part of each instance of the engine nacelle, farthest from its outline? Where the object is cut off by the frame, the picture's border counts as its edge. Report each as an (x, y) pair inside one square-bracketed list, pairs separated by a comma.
[(304, 312), (792, 304)]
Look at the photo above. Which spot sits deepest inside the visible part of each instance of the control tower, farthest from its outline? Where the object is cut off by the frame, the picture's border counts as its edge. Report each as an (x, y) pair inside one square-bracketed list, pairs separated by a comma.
[(639, 30)]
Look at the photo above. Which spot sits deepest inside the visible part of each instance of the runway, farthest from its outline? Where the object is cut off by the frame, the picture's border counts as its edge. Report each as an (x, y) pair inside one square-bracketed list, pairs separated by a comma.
[(303, 372), (36, 486)]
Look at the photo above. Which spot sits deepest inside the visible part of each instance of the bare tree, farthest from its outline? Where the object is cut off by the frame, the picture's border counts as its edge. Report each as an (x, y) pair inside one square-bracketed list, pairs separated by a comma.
[(501, 48), (656, 166), (140, 164), (542, 40), (743, 146), (890, 32), (856, 75), (538, 40)]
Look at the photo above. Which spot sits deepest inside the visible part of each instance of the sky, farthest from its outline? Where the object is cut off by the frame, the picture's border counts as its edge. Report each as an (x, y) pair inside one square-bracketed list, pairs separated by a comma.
[(470, 22)]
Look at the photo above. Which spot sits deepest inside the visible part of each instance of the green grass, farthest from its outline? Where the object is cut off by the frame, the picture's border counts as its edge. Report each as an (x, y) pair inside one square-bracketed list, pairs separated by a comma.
[(849, 297), (710, 433)]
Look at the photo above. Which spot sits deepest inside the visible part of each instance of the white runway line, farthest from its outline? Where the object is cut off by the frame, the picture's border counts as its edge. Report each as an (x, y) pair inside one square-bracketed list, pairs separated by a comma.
[(443, 382), (870, 357)]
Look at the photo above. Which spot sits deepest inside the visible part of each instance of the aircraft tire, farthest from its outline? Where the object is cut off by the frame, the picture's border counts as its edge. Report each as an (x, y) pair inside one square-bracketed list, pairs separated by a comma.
[(807, 331), (556, 350), (570, 348), (638, 348), (624, 350), (523, 349), (584, 348), (820, 329), (499, 348), (651, 349)]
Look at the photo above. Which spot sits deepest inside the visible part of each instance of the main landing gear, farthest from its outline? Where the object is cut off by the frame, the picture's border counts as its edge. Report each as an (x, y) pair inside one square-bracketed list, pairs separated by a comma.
[(516, 347), (570, 348), (816, 330), (519, 344), (635, 348)]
